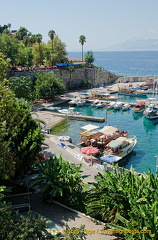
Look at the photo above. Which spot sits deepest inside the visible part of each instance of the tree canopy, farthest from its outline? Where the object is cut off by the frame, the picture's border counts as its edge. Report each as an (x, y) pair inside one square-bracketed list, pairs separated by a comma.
[(48, 85), (89, 57)]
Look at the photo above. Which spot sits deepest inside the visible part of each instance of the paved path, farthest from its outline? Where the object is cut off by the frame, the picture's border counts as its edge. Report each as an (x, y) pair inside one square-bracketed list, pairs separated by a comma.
[(61, 216), (72, 154)]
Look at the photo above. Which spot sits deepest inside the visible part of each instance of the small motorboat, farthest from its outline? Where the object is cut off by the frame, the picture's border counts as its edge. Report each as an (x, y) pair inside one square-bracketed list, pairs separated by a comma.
[(65, 138), (126, 107)]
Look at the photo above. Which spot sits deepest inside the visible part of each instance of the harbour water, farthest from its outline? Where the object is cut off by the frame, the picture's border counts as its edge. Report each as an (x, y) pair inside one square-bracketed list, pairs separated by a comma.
[(146, 131)]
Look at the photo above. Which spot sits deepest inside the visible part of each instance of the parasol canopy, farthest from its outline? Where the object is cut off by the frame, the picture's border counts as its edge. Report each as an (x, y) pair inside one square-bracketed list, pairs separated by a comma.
[(89, 150)]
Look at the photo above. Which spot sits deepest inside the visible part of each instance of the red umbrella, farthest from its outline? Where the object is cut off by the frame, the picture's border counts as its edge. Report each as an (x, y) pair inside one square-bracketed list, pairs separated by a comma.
[(89, 150)]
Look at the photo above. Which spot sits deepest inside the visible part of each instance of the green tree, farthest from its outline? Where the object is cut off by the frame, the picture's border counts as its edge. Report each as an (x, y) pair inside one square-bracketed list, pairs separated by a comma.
[(128, 200), (82, 40), (22, 87), (89, 58), (9, 46), (22, 137), (21, 33), (48, 85), (4, 66), (58, 178), (59, 50), (38, 52), (51, 34)]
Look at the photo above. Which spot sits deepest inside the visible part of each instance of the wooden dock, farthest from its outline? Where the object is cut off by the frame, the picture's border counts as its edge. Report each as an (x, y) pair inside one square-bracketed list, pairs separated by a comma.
[(80, 117)]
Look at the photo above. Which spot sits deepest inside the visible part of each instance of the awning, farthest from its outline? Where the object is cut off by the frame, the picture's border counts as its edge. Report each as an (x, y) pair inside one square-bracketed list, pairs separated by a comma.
[(117, 143), (90, 127), (107, 130)]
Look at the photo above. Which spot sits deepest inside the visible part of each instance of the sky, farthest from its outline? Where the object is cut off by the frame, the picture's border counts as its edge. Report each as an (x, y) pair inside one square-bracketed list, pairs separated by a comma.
[(104, 23)]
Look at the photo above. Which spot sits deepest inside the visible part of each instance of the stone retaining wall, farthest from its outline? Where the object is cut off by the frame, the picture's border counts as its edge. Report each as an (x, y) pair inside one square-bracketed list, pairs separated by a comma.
[(94, 75)]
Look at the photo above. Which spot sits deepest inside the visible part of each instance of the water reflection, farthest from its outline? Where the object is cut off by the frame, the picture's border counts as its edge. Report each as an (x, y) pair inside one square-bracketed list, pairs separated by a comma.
[(150, 125), (137, 115)]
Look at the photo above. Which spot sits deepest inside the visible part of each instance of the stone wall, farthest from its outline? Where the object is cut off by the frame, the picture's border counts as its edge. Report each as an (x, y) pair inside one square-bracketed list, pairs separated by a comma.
[(94, 75)]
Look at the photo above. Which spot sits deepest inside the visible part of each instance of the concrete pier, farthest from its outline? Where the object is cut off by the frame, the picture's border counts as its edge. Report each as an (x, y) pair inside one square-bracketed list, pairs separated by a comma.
[(80, 117)]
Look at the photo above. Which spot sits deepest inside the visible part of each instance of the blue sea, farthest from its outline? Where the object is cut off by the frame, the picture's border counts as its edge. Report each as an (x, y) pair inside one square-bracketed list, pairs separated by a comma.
[(142, 63), (146, 131)]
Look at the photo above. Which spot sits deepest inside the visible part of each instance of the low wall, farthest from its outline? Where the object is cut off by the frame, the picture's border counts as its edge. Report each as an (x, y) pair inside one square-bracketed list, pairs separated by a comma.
[(136, 78)]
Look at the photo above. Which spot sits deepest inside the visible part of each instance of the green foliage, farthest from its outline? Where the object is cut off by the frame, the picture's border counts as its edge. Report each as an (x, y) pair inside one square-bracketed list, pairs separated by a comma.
[(58, 54), (38, 50), (48, 85), (4, 66), (9, 46), (89, 57), (21, 33), (22, 87), (128, 199), (58, 178), (21, 138), (16, 226)]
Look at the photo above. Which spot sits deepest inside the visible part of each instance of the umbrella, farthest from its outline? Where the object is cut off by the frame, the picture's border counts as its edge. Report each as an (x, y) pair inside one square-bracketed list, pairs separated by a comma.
[(89, 150)]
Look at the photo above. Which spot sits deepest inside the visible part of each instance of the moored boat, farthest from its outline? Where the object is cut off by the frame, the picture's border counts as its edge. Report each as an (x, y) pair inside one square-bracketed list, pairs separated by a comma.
[(70, 110), (139, 106), (151, 112), (118, 149), (103, 96), (126, 107)]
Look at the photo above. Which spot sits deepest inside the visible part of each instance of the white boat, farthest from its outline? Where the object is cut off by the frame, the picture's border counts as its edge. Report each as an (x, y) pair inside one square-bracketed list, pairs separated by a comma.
[(151, 112), (126, 107), (118, 105), (100, 105), (95, 102), (111, 105), (72, 102), (52, 108), (70, 110), (77, 102), (65, 138), (80, 102), (118, 149)]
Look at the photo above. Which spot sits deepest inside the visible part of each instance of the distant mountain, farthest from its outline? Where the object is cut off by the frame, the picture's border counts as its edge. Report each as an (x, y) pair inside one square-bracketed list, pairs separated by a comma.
[(135, 45)]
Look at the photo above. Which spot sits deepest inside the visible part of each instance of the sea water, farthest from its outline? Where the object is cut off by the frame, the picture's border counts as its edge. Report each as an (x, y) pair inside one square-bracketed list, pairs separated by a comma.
[(146, 131), (143, 156)]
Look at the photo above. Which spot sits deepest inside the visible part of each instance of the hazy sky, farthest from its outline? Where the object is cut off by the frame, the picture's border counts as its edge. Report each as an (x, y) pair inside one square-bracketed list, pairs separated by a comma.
[(103, 22)]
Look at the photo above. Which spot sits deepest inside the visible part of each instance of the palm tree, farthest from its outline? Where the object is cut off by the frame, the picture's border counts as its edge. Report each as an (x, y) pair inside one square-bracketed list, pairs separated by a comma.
[(39, 40), (82, 40), (51, 34)]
